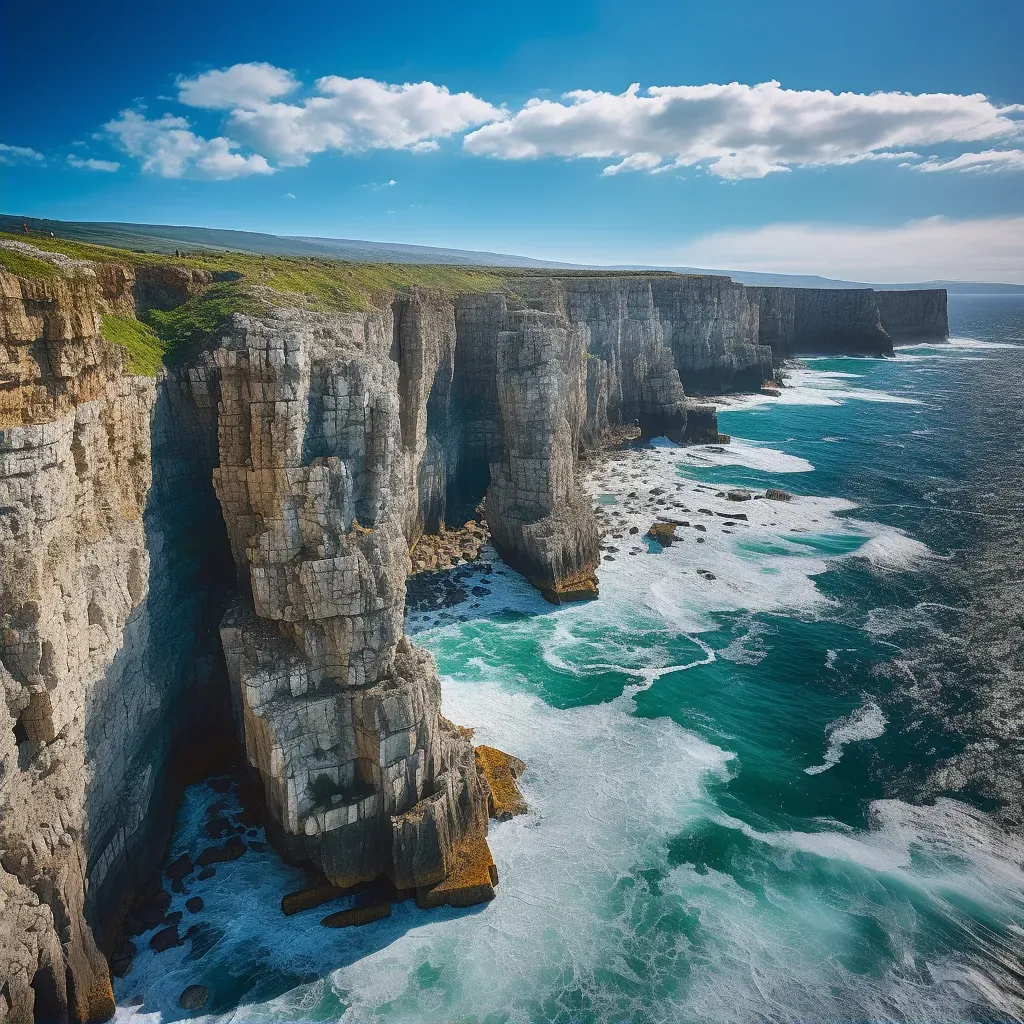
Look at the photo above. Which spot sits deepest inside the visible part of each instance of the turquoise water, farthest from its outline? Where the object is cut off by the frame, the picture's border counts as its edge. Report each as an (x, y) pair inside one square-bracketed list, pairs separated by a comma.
[(775, 772)]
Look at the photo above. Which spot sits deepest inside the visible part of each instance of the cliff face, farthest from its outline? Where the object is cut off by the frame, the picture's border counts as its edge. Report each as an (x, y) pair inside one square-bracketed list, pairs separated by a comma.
[(541, 519), (102, 647), (914, 315), (651, 341), (338, 711), (223, 552), (711, 326), (857, 321)]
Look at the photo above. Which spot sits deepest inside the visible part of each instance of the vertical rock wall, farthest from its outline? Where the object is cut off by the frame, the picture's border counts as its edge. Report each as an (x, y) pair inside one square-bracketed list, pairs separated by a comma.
[(856, 321), (478, 321), (103, 644), (338, 711), (539, 515), (796, 320), (917, 314), (424, 349)]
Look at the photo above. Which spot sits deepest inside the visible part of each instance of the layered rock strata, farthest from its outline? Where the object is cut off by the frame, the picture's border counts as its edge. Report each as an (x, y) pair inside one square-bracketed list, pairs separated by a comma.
[(103, 648), (338, 711), (335, 442), (539, 515)]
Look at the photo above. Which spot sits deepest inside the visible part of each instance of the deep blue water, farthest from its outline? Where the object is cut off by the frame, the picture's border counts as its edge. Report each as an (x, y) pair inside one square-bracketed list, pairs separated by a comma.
[(776, 771)]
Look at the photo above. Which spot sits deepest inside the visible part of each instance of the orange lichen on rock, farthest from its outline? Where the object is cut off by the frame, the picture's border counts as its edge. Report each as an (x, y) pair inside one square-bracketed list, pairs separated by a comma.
[(358, 915), (501, 770), (580, 586), (314, 896), (471, 881), (663, 533)]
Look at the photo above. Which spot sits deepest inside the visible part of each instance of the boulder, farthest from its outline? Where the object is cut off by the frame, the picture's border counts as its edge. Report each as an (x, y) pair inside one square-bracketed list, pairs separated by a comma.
[(501, 770), (195, 997), (357, 915), (663, 533), (166, 938), (314, 896), (180, 867)]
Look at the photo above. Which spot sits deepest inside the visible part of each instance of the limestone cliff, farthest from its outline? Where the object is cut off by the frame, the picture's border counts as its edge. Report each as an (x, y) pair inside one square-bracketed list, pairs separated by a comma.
[(339, 713), (221, 551), (540, 518), (858, 321), (911, 315), (102, 646)]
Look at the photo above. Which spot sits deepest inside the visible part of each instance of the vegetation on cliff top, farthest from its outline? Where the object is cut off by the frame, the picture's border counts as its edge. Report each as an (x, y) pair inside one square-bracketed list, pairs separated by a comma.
[(145, 348), (26, 266), (249, 282), (316, 282)]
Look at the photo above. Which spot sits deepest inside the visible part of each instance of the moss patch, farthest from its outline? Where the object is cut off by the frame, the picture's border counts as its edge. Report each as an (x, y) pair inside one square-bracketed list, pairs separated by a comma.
[(26, 266), (145, 349), (184, 330)]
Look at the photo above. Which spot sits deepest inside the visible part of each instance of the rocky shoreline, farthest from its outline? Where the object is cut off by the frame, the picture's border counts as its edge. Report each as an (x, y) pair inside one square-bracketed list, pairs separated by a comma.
[(212, 566)]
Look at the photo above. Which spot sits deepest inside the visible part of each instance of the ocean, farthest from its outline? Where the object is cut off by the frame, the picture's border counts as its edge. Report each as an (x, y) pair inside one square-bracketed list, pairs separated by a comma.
[(776, 771)]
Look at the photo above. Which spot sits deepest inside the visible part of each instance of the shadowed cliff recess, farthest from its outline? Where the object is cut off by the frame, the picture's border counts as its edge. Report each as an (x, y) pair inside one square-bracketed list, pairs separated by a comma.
[(212, 472)]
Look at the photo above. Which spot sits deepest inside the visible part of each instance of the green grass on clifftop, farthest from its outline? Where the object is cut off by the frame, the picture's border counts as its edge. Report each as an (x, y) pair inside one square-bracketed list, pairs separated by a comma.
[(26, 266), (250, 282), (184, 330), (317, 283), (145, 349)]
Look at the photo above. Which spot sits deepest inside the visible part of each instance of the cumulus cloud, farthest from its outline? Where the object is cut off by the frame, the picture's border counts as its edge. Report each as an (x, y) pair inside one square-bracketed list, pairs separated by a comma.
[(241, 85), (11, 155), (731, 131), (357, 114), (937, 248), (739, 131), (988, 160), (91, 164), (167, 146)]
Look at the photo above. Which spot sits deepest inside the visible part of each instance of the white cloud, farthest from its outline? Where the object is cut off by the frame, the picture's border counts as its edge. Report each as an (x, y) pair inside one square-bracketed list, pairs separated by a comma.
[(739, 131), (11, 155), (167, 146), (357, 114), (241, 85), (988, 160), (91, 164), (990, 249), (635, 162), (289, 195)]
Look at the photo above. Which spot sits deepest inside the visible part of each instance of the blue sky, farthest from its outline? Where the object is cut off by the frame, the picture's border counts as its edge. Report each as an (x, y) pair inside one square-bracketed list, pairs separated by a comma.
[(892, 147)]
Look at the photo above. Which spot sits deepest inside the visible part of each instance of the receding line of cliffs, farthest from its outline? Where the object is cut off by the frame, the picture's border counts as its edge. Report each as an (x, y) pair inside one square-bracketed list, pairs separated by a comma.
[(210, 565)]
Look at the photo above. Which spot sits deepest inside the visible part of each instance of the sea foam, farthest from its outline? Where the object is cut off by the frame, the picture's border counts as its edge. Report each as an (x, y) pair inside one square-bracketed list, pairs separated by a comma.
[(866, 723)]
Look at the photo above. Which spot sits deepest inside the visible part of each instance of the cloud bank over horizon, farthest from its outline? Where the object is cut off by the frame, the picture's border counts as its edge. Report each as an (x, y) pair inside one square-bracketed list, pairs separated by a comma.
[(987, 249), (269, 120)]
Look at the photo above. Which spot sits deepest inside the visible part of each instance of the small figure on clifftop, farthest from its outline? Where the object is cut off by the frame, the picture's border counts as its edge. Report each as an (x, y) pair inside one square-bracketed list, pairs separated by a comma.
[(24, 228)]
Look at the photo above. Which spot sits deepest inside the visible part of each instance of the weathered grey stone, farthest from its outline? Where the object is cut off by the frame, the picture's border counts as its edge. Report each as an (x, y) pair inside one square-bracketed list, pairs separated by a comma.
[(319, 481)]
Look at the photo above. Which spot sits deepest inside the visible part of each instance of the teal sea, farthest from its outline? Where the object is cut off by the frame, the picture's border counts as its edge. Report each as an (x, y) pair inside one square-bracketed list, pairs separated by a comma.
[(776, 772)]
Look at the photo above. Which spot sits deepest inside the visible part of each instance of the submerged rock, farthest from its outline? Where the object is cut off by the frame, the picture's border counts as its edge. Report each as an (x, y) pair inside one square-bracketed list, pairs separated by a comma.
[(195, 997)]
